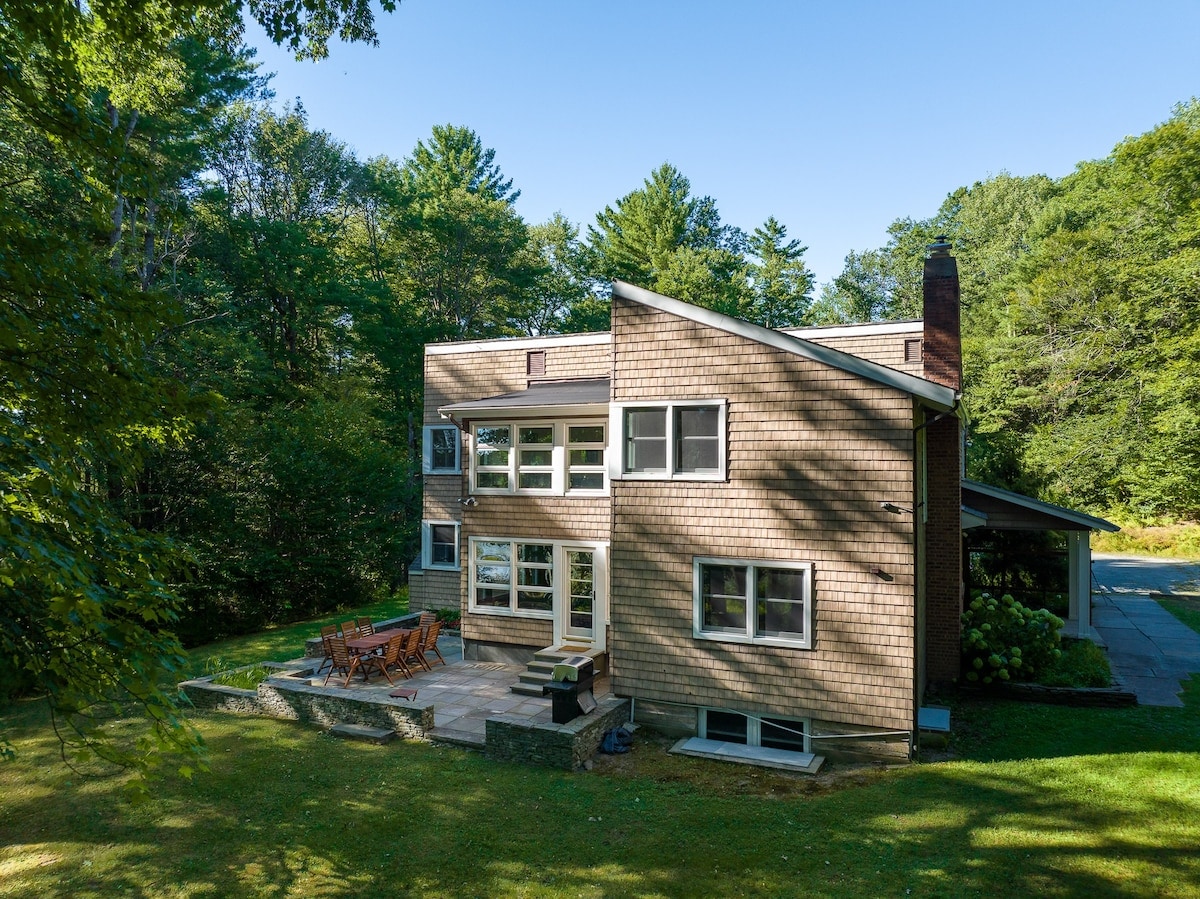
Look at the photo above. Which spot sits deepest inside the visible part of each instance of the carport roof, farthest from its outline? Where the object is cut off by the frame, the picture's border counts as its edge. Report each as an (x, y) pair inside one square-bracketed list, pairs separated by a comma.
[(1007, 510)]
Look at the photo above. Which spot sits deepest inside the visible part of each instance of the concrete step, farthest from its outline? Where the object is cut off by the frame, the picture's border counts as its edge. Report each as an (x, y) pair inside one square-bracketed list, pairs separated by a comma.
[(363, 732)]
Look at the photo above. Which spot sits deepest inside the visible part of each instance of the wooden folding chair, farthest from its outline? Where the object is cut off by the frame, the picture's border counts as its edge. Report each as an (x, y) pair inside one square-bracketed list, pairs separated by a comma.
[(390, 657), (411, 655), (343, 660), (429, 638), (349, 630), (330, 630), (365, 627)]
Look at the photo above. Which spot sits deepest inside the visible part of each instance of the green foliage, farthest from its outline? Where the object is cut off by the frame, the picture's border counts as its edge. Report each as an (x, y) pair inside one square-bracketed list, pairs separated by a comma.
[(1179, 541), (780, 282), (1082, 664), (451, 618), (1002, 640), (663, 238), (245, 678)]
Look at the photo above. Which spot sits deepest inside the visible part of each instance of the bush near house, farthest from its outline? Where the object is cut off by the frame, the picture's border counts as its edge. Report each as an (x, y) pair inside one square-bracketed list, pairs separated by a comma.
[(1003, 640)]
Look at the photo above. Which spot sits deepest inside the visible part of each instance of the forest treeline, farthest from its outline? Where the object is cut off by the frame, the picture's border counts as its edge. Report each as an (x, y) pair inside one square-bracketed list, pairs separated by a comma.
[(212, 321)]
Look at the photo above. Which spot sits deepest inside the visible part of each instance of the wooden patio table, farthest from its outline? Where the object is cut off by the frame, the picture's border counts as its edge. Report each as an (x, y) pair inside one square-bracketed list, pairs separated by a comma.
[(369, 643)]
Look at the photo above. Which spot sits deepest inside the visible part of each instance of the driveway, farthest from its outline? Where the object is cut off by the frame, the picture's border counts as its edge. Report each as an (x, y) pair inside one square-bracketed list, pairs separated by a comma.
[(1151, 651)]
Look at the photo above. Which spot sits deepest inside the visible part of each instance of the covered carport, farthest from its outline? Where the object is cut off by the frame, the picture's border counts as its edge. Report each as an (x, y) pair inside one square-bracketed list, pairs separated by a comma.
[(991, 507)]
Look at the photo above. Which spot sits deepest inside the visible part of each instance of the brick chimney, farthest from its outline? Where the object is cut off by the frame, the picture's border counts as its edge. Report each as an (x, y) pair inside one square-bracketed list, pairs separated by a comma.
[(941, 352), (942, 532)]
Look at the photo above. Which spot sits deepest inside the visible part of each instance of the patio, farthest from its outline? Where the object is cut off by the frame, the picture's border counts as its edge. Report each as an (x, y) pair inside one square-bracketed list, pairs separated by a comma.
[(463, 702), (462, 694)]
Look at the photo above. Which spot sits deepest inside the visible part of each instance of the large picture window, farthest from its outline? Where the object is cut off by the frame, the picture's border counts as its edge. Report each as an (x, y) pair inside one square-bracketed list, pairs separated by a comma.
[(553, 458), (440, 450), (753, 601), (659, 441), (523, 577)]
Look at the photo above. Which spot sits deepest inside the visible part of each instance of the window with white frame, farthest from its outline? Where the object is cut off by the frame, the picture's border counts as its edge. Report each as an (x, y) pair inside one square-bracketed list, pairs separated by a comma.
[(440, 447), (439, 545), (678, 440), (521, 577), (769, 731), (554, 458), (744, 601)]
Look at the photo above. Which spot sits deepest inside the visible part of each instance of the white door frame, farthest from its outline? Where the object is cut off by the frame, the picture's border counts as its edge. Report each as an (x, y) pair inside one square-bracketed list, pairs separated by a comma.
[(562, 597)]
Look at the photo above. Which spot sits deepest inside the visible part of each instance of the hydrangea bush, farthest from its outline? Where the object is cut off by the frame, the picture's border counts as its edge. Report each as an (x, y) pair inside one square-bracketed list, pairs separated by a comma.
[(1005, 641)]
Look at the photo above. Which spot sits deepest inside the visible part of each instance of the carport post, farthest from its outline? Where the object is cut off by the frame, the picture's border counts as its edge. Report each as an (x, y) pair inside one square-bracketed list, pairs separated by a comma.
[(1079, 582)]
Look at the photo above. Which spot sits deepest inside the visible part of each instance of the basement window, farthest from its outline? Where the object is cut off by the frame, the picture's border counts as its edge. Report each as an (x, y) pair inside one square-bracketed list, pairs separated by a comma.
[(767, 731)]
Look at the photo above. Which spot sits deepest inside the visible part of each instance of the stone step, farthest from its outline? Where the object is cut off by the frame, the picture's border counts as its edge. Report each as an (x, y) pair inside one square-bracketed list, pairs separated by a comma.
[(524, 689), (539, 676), (456, 737), (363, 732)]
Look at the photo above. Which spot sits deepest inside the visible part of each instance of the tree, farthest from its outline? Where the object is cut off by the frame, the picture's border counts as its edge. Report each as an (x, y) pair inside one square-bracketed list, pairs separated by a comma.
[(663, 238), (455, 158), (561, 284), (780, 283), (99, 104)]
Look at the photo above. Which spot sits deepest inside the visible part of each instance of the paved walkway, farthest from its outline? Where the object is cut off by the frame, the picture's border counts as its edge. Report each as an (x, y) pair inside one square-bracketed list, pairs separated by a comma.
[(1151, 651)]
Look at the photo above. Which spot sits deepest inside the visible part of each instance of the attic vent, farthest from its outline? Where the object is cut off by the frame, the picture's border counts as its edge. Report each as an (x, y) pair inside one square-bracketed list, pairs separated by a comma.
[(912, 349), (535, 363)]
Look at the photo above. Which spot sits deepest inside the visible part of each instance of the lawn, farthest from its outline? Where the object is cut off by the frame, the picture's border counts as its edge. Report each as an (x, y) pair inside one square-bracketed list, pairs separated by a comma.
[(1041, 800), (280, 644)]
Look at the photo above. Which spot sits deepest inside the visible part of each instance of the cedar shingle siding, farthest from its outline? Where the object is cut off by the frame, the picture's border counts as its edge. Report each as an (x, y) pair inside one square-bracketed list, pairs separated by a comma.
[(465, 372), (812, 453)]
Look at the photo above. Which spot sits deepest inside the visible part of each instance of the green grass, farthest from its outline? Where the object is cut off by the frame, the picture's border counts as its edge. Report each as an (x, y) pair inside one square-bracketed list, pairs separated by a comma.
[(1041, 800), (242, 678), (1186, 609), (1046, 801), (283, 643)]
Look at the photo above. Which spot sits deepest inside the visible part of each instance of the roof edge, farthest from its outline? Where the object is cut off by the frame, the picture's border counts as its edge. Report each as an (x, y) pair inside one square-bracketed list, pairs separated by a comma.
[(487, 344), (935, 394), (1036, 505)]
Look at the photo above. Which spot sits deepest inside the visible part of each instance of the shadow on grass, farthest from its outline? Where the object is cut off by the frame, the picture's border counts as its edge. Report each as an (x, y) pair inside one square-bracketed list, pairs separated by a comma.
[(288, 811)]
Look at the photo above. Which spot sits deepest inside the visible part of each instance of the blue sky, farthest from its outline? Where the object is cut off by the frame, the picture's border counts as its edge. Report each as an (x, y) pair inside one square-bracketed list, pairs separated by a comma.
[(836, 118)]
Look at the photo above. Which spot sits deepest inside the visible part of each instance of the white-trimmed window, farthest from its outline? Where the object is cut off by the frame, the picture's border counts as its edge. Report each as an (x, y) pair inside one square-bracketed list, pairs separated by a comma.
[(539, 457), (742, 601), (440, 450), (678, 440), (768, 731), (530, 578), (439, 545)]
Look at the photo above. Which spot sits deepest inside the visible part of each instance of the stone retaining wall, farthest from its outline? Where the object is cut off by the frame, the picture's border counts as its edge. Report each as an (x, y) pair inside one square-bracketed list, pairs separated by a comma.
[(565, 746), (1083, 697), (293, 699)]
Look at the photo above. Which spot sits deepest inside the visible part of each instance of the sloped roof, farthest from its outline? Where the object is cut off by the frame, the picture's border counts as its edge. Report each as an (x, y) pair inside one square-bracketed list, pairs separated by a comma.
[(1013, 511), (936, 395), (560, 396)]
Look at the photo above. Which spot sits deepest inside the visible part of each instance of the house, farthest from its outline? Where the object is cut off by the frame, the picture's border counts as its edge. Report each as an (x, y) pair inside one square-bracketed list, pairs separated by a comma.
[(758, 533)]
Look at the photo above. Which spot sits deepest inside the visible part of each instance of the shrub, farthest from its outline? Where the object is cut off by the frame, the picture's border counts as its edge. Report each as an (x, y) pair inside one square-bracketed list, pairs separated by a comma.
[(1003, 640), (1083, 664), (450, 618)]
